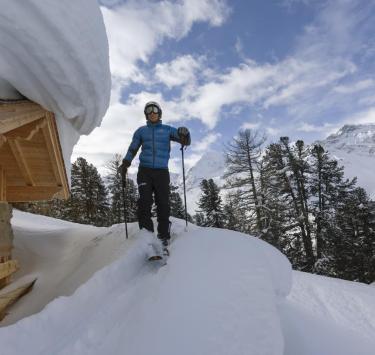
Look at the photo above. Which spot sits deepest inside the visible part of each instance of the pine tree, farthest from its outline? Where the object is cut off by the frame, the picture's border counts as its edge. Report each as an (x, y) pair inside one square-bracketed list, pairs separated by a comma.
[(210, 204), (199, 219), (328, 189), (281, 226), (296, 170), (115, 186), (353, 249), (88, 203), (177, 207), (233, 215), (242, 162)]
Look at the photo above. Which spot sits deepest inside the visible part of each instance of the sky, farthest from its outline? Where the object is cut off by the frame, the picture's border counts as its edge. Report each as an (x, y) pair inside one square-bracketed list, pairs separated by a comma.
[(296, 68)]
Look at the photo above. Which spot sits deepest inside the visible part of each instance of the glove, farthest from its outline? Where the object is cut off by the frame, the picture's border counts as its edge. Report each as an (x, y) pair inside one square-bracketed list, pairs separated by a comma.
[(184, 135), (124, 168)]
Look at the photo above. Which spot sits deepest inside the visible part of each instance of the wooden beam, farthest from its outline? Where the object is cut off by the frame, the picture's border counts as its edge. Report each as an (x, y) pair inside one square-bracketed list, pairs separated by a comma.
[(10, 122), (2, 140), (21, 161), (14, 115), (54, 149), (2, 184), (52, 152), (9, 298), (8, 268)]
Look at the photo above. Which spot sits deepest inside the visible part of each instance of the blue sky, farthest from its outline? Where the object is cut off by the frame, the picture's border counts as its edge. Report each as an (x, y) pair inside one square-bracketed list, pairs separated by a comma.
[(286, 67)]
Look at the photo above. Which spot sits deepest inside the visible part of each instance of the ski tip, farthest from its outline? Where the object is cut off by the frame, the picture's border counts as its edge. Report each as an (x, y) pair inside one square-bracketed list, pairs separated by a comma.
[(154, 258)]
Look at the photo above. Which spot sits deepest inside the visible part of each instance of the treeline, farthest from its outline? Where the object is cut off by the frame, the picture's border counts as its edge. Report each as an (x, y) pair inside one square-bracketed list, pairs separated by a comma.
[(292, 195), (295, 197), (99, 201)]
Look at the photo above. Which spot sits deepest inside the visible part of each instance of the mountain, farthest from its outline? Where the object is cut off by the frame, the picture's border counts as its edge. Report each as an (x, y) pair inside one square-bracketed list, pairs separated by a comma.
[(354, 147), (210, 166)]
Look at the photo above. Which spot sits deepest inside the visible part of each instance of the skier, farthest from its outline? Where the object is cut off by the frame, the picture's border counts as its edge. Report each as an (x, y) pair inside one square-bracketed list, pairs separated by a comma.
[(153, 173)]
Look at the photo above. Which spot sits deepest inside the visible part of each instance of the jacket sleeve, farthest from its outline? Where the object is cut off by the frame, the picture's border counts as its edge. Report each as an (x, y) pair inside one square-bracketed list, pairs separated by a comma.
[(134, 146)]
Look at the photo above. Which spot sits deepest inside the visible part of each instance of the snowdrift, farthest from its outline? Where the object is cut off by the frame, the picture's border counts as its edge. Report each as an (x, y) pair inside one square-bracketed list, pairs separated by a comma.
[(221, 292), (56, 54), (199, 299)]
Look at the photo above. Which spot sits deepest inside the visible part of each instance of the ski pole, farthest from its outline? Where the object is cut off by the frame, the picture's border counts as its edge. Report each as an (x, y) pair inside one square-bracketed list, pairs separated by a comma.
[(125, 209), (183, 176)]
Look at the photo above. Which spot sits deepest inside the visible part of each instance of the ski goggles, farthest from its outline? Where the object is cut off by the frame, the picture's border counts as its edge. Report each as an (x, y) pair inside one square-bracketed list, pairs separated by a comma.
[(152, 108)]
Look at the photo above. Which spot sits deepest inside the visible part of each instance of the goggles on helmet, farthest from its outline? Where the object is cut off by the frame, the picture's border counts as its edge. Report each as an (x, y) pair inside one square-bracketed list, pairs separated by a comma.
[(152, 108)]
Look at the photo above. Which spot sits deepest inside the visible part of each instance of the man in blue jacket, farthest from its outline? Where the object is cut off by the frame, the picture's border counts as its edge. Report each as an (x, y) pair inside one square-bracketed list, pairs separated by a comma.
[(153, 173)]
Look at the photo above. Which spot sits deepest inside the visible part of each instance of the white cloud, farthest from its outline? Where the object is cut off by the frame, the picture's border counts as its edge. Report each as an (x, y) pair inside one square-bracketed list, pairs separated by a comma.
[(272, 131), (205, 142), (137, 28), (181, 71), (316, 77), (306, 83), (364, 117), (307, 127), (354, 87), (250, 125)]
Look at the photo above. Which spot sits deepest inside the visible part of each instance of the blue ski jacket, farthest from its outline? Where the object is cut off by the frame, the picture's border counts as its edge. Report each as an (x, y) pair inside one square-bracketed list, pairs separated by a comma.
[(155, 140)]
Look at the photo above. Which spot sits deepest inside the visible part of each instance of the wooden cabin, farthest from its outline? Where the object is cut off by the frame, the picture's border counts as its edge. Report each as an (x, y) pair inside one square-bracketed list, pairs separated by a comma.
[(31, 162), (31, 169)]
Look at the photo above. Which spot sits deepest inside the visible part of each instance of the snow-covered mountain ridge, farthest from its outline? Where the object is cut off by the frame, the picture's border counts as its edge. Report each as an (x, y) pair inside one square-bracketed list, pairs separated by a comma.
[(353, 138), (210, 166), (354, 147)]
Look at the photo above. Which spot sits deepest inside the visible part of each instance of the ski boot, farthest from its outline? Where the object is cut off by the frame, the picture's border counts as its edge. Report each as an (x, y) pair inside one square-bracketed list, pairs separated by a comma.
[(165, 244)]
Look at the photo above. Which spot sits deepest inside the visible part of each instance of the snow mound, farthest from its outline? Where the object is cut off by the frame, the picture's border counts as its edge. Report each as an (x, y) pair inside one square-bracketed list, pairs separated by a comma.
[(217, 295), (325, 316)]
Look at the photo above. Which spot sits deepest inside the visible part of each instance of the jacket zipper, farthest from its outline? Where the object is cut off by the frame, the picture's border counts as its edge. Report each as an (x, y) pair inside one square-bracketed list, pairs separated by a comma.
[(153, 147)]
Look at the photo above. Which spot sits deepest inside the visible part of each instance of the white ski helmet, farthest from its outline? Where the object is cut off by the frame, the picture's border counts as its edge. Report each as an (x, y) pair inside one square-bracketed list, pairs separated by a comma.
[(151, 104)]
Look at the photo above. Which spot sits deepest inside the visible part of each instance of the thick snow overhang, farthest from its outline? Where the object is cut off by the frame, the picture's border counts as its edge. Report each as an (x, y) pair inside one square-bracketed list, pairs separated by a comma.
[(31, 161), (53, 55)]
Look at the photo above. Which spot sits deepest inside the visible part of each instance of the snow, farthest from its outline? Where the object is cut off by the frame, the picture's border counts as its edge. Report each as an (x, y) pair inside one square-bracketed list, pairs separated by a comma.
[(210, 166), (56, 54), (221, 292), (324, 316), (354, 148)]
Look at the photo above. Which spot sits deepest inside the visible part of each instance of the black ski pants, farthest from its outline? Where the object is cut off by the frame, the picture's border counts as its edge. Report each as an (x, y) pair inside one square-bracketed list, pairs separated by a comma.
[(154, 181)]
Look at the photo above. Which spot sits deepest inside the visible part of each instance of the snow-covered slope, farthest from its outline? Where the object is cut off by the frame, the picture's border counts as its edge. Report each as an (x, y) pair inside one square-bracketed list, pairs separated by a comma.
[(210, 166), (220, 293), (56, 54), (354, 147)]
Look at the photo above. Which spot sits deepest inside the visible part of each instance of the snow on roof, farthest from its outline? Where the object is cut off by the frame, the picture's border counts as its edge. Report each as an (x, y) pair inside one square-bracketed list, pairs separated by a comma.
[(55, 53)]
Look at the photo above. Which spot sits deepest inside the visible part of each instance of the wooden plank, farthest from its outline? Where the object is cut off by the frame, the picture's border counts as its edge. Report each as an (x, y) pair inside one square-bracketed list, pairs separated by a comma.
[(21, 161), (26, 131), (8, 268), (9, 122), (2, 140), (14, 115), (59, 159), (9, 298), (31, 193), (2, 184), (53, 152)]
